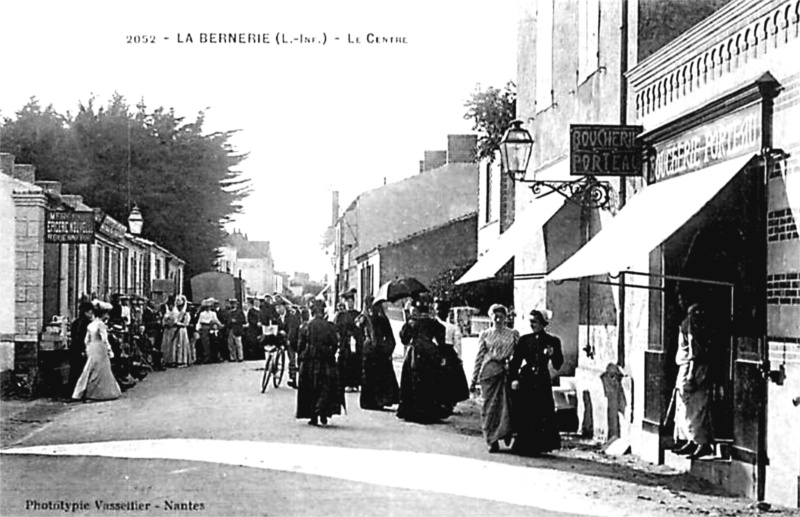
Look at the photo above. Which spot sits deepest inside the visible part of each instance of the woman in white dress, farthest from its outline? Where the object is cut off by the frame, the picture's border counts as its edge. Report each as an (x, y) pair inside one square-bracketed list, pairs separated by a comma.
[(97, 381)]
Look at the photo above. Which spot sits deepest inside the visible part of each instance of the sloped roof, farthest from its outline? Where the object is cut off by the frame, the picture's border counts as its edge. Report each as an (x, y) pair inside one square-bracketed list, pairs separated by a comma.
[(424, 201), (253, 250)]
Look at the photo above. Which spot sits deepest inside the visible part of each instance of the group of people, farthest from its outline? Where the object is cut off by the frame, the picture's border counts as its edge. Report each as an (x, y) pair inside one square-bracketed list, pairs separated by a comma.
[(513, 372), (354, 353)]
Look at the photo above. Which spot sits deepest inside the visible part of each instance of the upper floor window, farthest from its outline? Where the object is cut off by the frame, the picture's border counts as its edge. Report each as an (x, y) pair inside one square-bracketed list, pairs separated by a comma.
[(588, 38), (544, 54)]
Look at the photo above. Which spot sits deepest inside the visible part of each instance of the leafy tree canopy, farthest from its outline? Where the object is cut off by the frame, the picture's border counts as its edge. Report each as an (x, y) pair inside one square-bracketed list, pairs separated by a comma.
[(480, 295), (491, 111), (183, 179)]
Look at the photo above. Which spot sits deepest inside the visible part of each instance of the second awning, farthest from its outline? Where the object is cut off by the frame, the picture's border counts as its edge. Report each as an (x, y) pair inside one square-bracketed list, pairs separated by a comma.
[(531, 219), (647, 220)]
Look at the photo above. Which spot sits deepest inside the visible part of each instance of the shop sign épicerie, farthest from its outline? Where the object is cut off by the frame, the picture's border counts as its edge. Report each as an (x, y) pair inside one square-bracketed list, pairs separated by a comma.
[(603, 150), (69, 227)]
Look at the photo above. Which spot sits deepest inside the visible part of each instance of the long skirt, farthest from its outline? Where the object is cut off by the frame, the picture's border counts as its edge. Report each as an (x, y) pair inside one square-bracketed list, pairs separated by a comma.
[(350, 366), (168, 351), (97, 381), (496, 410), (318, 392), (534, 415), (693, 405), (203, 346), (380, 387), (421, 397), (252, 347), (455, 383), (184, 353)]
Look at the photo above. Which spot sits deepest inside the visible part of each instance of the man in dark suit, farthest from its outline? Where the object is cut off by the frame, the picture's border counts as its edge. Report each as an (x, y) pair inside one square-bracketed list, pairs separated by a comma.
[(252, 333), (234, 320), (288, 329)]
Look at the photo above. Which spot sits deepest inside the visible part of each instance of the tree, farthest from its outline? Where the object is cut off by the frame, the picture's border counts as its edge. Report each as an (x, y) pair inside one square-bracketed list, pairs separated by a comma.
[(183, 180), (481, 294), (491, 111)]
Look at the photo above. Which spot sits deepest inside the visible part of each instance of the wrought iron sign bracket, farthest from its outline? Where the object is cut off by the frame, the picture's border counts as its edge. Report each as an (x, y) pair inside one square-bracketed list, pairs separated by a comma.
[(584, 191)]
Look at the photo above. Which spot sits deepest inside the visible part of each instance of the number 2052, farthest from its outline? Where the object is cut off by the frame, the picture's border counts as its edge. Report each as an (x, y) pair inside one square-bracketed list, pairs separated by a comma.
[(141, 39)]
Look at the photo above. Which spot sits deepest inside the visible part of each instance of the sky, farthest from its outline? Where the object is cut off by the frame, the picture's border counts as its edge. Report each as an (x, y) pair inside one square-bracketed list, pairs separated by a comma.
[(313, 117)]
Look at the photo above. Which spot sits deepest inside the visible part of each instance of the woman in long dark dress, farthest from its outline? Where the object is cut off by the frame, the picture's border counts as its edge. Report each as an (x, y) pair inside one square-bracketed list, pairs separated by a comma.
[(319, 393), (533, 410), (455, 380), (379, 387), (421, 395)]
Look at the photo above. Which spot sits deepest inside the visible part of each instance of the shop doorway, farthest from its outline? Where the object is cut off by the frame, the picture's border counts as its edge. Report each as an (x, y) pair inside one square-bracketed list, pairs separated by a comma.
[(718, 259)]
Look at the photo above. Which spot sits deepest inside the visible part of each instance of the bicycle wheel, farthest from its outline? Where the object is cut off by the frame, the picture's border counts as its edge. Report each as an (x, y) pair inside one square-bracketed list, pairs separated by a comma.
[(280, 365), (268, 366)]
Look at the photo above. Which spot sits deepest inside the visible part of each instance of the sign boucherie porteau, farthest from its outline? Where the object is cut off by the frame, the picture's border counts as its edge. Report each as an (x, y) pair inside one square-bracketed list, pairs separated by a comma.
[(605, 150)]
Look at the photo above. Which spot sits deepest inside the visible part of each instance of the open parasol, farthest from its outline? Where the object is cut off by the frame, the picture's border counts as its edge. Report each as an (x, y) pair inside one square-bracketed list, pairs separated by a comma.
[(399, 288)]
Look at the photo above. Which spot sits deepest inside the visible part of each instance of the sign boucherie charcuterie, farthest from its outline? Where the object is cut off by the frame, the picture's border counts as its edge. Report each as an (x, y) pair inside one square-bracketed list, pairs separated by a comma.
[(605, 150), (69, 227)]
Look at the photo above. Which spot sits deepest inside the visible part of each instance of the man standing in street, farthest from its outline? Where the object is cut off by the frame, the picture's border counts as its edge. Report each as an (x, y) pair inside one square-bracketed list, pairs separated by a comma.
[(252, 334), (288, 328), (234, 320)]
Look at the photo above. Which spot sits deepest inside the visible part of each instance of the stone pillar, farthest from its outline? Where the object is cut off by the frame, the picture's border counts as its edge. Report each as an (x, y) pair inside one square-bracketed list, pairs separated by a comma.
[(29, 279)]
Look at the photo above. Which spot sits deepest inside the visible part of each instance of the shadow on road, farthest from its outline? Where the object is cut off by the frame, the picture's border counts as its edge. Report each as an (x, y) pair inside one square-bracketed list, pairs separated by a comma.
[(585, 457)]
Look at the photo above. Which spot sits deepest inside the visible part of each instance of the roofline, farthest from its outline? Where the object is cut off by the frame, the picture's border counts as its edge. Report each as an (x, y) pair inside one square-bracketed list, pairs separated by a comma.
[(417, 234)]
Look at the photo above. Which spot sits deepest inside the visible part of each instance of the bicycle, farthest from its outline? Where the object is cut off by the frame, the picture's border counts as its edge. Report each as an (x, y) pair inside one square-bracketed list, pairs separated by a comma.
[(274, 366)]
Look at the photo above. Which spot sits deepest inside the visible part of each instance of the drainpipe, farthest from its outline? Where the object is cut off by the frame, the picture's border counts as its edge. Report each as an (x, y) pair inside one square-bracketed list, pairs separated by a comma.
[(623, 187)]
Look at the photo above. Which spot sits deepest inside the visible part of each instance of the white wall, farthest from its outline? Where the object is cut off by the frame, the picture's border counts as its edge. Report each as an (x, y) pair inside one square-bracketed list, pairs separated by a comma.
[(7, 272)]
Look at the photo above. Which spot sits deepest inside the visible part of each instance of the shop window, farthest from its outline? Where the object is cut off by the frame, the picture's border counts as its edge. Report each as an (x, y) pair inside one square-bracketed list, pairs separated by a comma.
[(588, 38), (544, 54)]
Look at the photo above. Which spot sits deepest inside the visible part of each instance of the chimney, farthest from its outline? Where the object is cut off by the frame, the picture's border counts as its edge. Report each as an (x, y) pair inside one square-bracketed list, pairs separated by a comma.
[(7, 164), (25, 173), (434, 159), (72, 200), (422, 166), (48, 186), (461, 148), (334, 207)]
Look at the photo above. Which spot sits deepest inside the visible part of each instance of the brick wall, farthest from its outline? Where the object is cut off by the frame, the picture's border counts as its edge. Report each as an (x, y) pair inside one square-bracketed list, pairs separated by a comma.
[(783, 289)]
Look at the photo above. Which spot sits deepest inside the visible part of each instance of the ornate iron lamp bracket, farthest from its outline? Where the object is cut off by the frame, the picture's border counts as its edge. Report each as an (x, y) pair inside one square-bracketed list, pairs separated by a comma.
[(584, 191)]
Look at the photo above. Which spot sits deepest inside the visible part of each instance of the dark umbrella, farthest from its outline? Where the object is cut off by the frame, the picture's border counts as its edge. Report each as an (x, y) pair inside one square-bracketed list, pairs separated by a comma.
[(399, 288)]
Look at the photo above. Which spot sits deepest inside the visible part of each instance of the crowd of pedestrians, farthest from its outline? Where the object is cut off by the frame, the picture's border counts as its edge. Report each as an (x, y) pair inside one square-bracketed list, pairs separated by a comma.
[(353, 352), (511, 372)]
